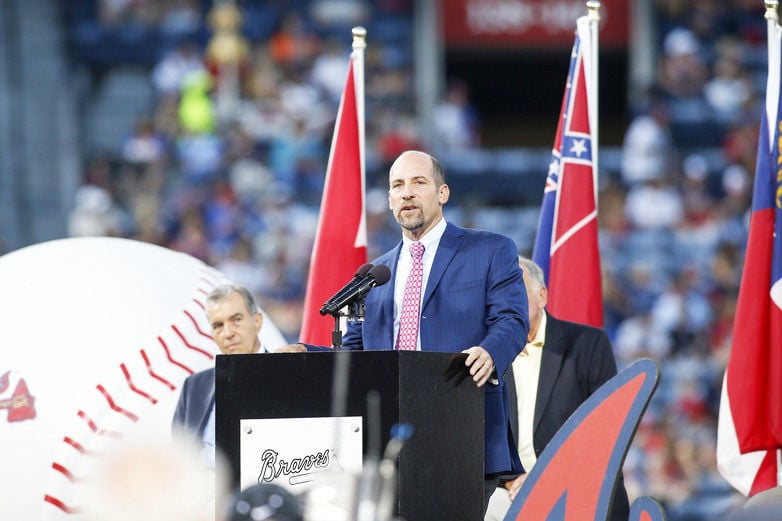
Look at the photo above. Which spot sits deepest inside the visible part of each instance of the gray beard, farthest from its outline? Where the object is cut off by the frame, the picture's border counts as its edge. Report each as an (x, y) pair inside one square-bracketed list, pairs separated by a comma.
[(413, 224)]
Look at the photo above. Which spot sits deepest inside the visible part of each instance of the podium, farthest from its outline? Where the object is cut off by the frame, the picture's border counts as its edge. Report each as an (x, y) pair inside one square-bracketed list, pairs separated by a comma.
[(440, 467)]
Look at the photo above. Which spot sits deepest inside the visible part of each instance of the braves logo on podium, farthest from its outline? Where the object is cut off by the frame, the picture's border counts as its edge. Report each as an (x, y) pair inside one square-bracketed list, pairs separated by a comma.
[(21, 403), (592, 442)]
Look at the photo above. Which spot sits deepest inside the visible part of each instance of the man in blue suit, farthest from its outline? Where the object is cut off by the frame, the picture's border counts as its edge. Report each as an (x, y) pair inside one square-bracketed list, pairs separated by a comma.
[(472, 299)]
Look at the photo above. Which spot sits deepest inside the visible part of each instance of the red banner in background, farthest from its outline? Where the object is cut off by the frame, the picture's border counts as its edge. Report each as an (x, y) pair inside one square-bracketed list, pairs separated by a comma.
[(528, 24)]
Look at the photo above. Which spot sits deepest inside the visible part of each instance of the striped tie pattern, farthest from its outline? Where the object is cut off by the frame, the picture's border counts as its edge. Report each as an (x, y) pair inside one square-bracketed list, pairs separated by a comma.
[(411, 301)]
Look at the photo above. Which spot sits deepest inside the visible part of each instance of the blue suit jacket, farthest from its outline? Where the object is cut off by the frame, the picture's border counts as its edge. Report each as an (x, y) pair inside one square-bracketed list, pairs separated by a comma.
[(195, 402), (474, 296)]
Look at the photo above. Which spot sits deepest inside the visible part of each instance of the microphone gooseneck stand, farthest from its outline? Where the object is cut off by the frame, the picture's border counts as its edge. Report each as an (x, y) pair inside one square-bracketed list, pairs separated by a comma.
[(375, 492)]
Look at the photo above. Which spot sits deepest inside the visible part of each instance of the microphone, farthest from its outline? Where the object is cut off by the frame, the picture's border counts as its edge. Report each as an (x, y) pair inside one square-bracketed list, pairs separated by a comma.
[(361, 272), (377, 276)]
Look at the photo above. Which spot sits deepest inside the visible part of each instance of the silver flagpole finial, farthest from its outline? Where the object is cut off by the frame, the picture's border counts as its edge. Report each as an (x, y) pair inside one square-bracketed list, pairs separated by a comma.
[(359, 38), (771, 9), (593, 9)]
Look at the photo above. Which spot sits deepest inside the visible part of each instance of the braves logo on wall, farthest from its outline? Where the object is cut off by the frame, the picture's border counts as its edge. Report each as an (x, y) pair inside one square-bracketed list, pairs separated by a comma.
[(20, 404)]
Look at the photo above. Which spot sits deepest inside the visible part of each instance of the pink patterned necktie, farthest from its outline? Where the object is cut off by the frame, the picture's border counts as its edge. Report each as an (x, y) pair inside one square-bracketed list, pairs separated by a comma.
[(411, 302)]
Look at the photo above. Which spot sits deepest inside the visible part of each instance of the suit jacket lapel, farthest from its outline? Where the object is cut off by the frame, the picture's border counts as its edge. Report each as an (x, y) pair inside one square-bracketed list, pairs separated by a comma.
[(385, 293), (449, 243), (550, 363), (378, 328)]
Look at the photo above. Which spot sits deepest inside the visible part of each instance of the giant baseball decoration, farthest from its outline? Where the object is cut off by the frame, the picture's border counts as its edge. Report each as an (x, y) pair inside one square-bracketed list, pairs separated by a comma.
[(97, 336)]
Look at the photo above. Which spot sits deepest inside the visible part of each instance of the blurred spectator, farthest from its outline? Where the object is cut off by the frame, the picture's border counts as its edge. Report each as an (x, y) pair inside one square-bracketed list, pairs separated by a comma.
[(264, 77), (191, 237), (455, 120), (683, 313), (222, 219), (398, 132), (654, 205), (180, 19), (196, 109), (730, 90), (740, 146), (329, 70), (95, 214), (170, 72), (336, 14), (263, 119), (241, 268), (683, 70), (639, 336), (293, 45), (124, 12), (294, 153), (300, 100), (200, 157), (144, 146), (648, 150)]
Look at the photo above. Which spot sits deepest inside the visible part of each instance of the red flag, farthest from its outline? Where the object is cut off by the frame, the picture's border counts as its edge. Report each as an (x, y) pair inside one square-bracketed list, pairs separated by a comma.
[(566, 243), (341, 239), (749, 435)]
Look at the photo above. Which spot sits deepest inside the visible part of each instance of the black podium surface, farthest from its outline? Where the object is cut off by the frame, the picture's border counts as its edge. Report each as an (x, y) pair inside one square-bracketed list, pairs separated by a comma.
[(441, 465)]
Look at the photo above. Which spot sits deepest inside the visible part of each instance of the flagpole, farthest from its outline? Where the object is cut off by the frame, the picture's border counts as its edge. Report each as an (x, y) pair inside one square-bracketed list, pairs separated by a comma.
[(359, 45), (593, 15), (772, 25)]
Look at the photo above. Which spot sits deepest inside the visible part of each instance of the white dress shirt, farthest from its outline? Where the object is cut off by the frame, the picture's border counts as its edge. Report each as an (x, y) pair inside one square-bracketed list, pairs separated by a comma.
[(526, 373), (208, 439), (431, 240)]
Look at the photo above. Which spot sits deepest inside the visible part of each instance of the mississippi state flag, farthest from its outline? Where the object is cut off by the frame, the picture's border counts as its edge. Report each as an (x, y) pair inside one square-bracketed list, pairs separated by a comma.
[(566, 242), (749, 434), (341, 238)]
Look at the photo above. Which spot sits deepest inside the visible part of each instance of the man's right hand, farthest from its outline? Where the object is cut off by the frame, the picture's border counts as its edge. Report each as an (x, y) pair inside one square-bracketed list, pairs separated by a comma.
[(291, 348)]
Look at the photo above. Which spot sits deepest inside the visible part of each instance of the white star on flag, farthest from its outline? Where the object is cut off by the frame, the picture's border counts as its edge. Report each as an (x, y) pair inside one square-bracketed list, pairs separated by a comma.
[(578, 147)]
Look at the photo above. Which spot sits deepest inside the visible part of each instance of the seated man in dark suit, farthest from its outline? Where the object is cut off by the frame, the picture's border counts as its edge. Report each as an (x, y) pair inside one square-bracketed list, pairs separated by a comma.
[(236, 323), (562, 364)]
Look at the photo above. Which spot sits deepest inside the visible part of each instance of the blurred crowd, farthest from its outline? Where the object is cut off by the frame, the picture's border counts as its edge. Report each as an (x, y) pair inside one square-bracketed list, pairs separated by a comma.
[(228, 166)]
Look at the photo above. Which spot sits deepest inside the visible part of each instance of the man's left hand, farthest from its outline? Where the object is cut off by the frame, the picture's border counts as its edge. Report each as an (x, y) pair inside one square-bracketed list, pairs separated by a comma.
[(513, 486), (480, 363)]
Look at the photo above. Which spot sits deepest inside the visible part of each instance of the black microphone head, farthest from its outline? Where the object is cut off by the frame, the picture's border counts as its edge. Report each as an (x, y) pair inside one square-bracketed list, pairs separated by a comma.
[(362, 270), (381, 273)]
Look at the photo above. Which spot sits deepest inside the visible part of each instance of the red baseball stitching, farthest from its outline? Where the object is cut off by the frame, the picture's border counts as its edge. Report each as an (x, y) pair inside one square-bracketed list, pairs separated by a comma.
[(154, 374), (114, 406), (97, 430), (207, 354), (59, 504), (133, 387), (198, 328), (79, 447), (170, 359), (65, 472)]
